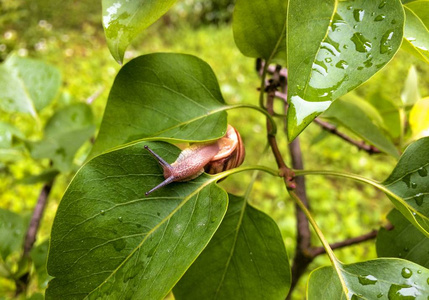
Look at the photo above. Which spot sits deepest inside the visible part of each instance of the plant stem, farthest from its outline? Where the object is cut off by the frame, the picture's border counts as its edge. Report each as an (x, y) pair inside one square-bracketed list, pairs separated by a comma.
[(335, 262), (39, 209), (273, 127)]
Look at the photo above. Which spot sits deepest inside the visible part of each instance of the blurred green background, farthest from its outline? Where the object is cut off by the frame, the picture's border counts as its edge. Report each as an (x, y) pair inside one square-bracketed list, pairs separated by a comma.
[(69, 35)]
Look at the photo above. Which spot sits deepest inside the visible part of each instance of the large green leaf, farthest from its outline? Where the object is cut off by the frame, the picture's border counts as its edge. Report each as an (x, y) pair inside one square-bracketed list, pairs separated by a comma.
[(12, 231), (246, 259), (110, 241), (27, 85), (403, 241), (173, 96), (259, 28), (416, 35), (384, 278), (64, 134), (334, 46), (123, 20), (352, 116), (409, 181)]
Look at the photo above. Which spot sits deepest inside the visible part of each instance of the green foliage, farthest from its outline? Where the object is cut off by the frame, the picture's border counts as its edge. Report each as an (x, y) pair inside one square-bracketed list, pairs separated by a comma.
[(327, 59), (403, 241), (108, 240), (123, 20), (127, 243), (233, 267), (265, 23), (146, 92), (374, 279)]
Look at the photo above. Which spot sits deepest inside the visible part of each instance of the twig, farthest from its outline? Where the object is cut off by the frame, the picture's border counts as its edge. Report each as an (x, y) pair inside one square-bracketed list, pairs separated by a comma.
[(349, 242), (360, 144), (30, 237)]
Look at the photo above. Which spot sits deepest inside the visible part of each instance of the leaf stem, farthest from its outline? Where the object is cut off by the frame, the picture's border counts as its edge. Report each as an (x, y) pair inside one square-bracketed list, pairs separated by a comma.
[(335, 262), (247, 168)]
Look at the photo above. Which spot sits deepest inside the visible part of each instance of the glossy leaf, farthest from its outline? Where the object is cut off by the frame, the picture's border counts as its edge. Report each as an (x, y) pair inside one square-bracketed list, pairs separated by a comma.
[(12, 231), (384, 278), (124, 20), (173, 96), (27, 85), (416, 36), (419, 118), (403, 241), (333, 49), (64, 134), (110, 241), (259, 28), (409, 180), (246, 259), (421, 9), (353, 117)]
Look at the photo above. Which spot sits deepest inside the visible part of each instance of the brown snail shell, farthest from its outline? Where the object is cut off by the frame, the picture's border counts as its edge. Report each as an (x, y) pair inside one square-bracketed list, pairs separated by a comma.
[(213, 157)]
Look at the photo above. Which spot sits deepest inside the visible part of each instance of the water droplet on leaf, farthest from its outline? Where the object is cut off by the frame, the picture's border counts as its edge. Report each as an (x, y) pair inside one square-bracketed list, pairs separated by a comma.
[(120, 219), (358, 14), (367, 280), (402, 292), (423, 172), (385, 43), (102, 212), (419, 198), (342, 64), (379, 18), (406, 273), (380, 295), (382, 4), (362, 44)]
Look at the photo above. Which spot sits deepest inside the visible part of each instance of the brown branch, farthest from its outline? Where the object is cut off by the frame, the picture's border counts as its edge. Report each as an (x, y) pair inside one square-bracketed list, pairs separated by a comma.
[(30, 237), (360, 144), (349, 242)]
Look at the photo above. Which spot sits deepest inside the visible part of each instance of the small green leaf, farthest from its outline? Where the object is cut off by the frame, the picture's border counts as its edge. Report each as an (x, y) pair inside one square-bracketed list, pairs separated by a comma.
[(246, 259), (409, 181), (12, 232), (333, 49), (64, 134), (419, 118), (384, 278), (416, 36), (259, 28), (410, 94), (109, 240), (168, 95), (352, 116), (27, 85), (403, 241), (123, 20)]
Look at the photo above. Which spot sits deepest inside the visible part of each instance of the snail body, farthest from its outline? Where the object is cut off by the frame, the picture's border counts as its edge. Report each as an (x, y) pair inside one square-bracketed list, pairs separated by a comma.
[(213, 157)]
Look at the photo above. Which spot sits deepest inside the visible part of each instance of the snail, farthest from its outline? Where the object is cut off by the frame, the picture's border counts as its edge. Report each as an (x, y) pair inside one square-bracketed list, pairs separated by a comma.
[(212, 157)]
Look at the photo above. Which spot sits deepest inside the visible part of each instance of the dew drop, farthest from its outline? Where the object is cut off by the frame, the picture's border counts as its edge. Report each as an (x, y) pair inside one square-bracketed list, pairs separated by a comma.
[(361, 43), (213, 220), (423, 172), (393, 22), (355, 26), (379, 18), (367, 280), (419, 198), (358, 14), (328, 59), (413, 185), (406, 273), (360, 68), (402, 292), (120, 219), (385, 43), (419, 271), (102, 212), (382, 4), (345, 46), (380, 295), (342, 64), (349, 7), (158, 214), (414, 213), (406, 249), (299, 87)]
